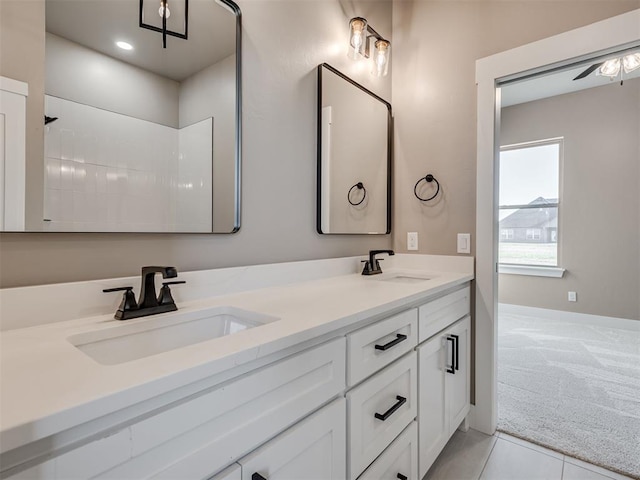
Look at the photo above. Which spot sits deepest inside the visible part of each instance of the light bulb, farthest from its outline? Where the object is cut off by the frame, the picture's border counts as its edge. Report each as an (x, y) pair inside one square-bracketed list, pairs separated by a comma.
[(357, 32), (610, 68), (381, 60), (164, 6), (631, 62)]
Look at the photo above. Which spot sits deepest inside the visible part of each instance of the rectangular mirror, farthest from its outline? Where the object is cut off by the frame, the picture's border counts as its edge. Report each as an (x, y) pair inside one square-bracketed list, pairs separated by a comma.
[(139, 137), (354, 157)]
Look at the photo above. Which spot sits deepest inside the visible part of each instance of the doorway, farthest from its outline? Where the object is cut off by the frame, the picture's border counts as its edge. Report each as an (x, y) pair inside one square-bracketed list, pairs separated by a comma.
[(562, 50), (568, 253)]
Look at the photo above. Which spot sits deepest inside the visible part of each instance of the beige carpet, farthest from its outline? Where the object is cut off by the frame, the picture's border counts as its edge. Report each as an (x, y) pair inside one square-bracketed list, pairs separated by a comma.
[(572, 387)]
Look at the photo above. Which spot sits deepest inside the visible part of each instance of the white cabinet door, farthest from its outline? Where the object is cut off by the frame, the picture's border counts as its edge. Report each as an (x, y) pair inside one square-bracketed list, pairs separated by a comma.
[(444, 389), (458, 384), (207, 433), (314, 449), (432, 412)]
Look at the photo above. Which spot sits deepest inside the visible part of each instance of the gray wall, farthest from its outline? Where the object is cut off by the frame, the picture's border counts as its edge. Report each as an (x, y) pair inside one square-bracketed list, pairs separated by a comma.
[(436, 44), (283, 42), (599, 217), (77, 73)]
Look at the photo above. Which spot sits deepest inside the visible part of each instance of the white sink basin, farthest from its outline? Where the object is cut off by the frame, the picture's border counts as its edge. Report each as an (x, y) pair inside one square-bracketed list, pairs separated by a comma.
[(153, 335), (404, 277)]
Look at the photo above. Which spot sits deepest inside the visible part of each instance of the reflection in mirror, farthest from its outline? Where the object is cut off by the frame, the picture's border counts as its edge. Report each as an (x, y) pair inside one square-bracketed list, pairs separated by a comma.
[(354, 157), (139, 137)]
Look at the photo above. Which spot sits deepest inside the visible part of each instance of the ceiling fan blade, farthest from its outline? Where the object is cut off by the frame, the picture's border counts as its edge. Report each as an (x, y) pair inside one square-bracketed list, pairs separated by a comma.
[(589, 70)]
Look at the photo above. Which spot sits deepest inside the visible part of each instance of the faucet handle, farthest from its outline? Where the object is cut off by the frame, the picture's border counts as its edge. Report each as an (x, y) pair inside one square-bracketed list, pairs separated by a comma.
[(165, 297), (128, 302), (117, 289)]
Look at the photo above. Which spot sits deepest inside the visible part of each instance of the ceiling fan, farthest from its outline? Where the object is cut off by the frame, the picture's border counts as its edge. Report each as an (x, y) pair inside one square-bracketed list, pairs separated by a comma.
[(613, 67)]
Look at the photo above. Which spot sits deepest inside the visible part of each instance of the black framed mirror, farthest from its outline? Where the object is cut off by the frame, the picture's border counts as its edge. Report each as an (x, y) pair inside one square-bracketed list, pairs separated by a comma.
[(139, 137), (354, 157)]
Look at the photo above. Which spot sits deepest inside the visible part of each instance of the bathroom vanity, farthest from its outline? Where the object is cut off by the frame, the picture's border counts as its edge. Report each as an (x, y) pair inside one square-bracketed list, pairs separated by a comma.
[(339, 376)]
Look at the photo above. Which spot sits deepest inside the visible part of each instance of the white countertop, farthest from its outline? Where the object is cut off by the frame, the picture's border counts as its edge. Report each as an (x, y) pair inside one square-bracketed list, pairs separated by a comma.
[(48, 385)]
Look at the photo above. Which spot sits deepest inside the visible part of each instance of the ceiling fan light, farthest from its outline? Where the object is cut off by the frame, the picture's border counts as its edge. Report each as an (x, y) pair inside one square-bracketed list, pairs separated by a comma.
[(631, 62), (610, 68)]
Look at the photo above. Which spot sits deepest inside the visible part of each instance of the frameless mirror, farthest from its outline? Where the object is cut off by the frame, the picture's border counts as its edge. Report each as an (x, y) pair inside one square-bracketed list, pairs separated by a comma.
[(354, 157), (139, 137)]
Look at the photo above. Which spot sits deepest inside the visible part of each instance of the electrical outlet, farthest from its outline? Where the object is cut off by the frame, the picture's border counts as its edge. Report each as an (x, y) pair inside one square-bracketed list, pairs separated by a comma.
[(572, 297), (412, 240), (464, 243)]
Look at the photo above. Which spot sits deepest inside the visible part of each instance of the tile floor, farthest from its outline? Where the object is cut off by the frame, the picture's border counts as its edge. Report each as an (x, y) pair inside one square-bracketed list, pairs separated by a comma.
[(476, 456)]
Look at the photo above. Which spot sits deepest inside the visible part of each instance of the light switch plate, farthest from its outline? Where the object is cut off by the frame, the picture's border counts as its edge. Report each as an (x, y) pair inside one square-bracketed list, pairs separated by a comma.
[(572, 297), (464, 243), (412, 240)]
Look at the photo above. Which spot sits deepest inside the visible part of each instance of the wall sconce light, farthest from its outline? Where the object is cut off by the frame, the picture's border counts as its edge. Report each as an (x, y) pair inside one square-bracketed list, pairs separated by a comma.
[(360, 38), (159, 23)]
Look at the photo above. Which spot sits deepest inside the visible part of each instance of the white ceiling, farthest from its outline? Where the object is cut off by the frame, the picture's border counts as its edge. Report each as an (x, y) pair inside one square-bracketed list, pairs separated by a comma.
[(557, 83), (98, 24)]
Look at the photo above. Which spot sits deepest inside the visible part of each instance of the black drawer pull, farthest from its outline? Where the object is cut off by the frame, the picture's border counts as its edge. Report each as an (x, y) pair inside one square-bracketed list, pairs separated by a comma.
[(402, 477), (457, 349), (399, 338), (400, 401), (257, 476), (453, 348)]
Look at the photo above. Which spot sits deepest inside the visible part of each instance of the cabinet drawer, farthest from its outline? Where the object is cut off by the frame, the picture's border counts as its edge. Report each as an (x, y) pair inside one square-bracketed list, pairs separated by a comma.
[(376, 346), (439, 314), (202, 436), (315, 448), (378, 410), (400, 460)]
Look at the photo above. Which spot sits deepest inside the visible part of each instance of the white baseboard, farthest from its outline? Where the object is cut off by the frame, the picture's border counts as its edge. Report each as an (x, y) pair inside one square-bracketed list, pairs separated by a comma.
[(600, 320)]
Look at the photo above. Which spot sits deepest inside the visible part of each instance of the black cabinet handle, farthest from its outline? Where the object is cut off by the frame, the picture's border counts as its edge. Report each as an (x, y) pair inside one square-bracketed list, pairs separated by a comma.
[(453, 348), (402, 477), (400, 401), (456, 348), (399, 338), (257, 476)]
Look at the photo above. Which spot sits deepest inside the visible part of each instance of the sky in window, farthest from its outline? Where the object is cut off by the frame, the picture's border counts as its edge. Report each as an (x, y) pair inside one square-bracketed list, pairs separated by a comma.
[(529, 173)]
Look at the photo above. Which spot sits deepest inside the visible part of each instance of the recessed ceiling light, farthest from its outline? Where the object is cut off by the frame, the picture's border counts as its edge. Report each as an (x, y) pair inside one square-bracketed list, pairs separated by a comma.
[(124, 45)]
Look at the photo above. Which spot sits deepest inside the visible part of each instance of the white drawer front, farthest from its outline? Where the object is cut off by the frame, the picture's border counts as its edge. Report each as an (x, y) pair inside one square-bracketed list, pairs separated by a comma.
[(398, 461), (199, 437), (314, 449), (368, 435), (439, 314), (372, 348)]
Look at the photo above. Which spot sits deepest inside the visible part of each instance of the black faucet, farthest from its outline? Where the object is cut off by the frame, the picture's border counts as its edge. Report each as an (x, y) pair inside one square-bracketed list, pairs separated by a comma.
[(149, 303), (372, 267)]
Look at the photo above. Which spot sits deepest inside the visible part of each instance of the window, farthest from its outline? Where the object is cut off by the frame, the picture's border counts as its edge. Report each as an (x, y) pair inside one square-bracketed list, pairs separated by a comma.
[(533, 234), (528, 203), (506, 234)]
